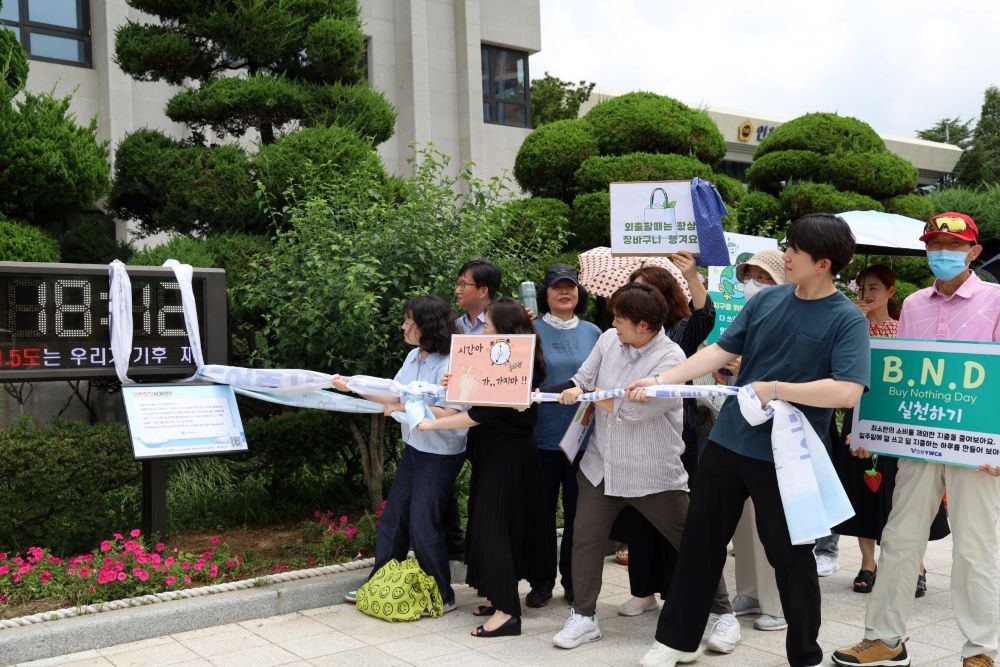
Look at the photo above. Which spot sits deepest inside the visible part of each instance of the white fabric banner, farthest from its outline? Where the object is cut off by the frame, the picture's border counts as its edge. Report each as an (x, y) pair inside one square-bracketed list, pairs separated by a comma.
[(120, 318)]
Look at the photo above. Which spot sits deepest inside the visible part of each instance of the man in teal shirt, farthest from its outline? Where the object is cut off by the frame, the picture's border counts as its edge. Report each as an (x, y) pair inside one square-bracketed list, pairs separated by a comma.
[(804, 343)]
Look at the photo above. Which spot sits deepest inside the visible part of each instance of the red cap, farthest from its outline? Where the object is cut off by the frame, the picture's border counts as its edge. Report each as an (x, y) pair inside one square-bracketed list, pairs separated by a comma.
[(939, 224)]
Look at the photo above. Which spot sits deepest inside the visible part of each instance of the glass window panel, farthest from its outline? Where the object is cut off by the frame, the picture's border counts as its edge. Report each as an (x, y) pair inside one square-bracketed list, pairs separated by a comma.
[(66, 13), (485, 56), (487, 112), (510, 75), (13, 29), (515, 115), (58, 48), (9, 10)]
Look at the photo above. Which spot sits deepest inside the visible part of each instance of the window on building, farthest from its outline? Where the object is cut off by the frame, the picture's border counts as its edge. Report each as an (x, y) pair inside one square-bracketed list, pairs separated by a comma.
[(505, 86), (51, 30)]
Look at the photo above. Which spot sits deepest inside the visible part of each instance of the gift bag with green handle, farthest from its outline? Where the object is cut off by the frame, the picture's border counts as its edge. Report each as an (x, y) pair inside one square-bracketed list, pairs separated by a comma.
[(400, 592), (662, 211)]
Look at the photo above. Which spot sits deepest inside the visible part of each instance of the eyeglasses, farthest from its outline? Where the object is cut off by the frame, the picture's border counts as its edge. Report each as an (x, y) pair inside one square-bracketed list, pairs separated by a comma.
[(461, 284), (955, 225)]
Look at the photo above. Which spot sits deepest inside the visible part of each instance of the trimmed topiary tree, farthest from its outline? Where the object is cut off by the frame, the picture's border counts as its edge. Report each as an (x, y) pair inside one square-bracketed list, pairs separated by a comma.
[(598, 172), (591, 216), (759, 214), (918, 207), (549, 157), (650, 123), (822, 162), (298, 66)]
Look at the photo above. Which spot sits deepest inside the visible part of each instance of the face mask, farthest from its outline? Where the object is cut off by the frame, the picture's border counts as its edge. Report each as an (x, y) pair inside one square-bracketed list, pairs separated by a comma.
[(946, 264), (751, 287)]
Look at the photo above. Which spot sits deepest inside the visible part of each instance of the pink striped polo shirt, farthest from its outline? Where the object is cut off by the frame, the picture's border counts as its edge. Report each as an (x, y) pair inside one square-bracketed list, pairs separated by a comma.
[(971, 313)]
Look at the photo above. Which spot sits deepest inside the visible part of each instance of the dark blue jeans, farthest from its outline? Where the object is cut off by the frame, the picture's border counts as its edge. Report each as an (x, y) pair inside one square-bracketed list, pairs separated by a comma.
[(414, 514)]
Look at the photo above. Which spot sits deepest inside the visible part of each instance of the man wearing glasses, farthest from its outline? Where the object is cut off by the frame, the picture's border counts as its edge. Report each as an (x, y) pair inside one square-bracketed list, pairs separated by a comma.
[(478, 283), (958, 306)]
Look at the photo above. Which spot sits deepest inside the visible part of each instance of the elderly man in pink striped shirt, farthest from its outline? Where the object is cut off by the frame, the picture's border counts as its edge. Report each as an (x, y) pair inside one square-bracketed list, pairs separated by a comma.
[(958, 306)]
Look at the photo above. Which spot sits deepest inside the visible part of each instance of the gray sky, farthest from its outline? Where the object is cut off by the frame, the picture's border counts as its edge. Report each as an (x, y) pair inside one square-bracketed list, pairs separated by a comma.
[(899, 65)]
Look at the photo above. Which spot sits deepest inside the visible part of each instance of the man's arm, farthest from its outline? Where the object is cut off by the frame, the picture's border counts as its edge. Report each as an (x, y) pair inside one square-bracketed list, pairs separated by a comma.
[(703, 362), (827, 393)]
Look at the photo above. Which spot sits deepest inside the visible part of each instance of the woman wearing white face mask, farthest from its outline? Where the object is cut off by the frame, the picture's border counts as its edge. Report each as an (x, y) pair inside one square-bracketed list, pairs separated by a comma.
[(756, 588)]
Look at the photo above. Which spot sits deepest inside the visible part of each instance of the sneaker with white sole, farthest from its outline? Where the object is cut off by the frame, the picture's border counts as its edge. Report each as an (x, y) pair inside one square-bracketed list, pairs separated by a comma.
[(638, 606), (661, 655), (768, 623), (578, 630), (826, 565), (874, 652), (744, 604), (351, 596), (725, 634)]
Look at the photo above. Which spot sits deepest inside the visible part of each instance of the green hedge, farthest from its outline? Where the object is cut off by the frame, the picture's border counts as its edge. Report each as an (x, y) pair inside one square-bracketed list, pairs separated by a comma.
[(91, 240), (591, 221), (20, 242), (15, 68), (798, 199), (878, 175), (363, 109), (730, 189), (760, 214), (918, 207), (549, 157), (537, 218), (596, 173), (66, 487), (823, 133), (770, 171), (650, 123)]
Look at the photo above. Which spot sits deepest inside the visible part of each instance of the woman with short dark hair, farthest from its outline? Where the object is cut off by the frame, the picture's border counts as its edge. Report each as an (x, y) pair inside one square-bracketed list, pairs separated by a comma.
[(634, 457), (431, 461)]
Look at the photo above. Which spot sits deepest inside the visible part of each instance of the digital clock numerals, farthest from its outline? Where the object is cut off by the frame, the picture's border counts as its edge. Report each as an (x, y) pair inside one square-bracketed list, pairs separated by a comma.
[(26, 312), (170, 306), (73, 313), (69, 308)]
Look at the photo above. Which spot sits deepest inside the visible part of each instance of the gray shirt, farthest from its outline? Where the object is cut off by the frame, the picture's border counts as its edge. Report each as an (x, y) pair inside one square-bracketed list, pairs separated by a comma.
[(636, 449)]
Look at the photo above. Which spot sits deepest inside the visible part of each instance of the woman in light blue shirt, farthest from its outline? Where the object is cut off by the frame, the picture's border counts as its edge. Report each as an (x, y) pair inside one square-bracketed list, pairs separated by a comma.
[(414, 513)]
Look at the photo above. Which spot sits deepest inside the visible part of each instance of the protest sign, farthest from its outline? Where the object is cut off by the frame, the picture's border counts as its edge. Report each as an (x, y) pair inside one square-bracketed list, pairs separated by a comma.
[(723, 286), (578, 431), (491, 369), (652, 218), (931, 400)]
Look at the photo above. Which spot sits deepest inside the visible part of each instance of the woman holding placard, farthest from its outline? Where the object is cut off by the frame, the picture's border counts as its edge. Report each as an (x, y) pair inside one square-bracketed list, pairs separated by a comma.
[(430, 462), (566, 341), (870, 482), (506, 537)]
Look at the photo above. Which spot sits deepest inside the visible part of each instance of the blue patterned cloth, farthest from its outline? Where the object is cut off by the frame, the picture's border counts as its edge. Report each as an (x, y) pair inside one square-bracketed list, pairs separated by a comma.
[(708, 211)]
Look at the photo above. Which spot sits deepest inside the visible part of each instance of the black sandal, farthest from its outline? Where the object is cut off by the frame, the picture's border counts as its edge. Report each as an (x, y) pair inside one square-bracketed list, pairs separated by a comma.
[(864, 582), (510, 628), (484, 610), (921, 585)]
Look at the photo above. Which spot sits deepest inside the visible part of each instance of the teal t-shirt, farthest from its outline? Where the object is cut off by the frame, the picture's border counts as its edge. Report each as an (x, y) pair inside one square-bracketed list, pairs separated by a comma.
[(788, 339)]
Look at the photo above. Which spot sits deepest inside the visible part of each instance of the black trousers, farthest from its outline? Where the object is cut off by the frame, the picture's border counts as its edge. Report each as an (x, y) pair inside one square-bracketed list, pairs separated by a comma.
[(725, 480), (558, 473), (454, 537)]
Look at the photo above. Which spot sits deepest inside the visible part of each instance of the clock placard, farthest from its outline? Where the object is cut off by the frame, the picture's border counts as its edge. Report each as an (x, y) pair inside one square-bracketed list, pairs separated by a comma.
[(492, 369), (54, 322)]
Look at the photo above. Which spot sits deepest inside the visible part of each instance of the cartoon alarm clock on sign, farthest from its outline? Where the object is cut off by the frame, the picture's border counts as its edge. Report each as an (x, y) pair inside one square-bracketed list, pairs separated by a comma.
[(500, 351)]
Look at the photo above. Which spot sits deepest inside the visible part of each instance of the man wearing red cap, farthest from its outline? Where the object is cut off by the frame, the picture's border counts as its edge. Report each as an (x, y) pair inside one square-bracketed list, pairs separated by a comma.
[(959, 306)]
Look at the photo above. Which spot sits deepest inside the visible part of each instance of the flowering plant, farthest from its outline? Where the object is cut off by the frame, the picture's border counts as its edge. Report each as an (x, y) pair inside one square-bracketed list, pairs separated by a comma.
[(335, 537), (120, 567)]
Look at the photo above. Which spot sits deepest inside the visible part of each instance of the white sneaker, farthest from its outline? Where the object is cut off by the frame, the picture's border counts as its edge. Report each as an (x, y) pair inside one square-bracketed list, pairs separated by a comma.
[(638, 606), (744, 604), (351, 596), (826, 565), (767, 623), (661, 655), (578, 630), (725, 634)]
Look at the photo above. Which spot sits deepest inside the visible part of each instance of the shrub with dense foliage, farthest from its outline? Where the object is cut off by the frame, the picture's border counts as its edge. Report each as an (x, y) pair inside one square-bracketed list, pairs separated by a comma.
[(549, 157), (91, 240), (20, 242), (331, 292)]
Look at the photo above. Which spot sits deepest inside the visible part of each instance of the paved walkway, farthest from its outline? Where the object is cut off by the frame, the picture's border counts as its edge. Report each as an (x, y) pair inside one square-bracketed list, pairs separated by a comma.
[(340, 635)]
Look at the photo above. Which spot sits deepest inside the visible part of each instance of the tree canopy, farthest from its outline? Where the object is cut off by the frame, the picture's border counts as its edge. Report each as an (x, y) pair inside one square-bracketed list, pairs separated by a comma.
[(981, 162), (255, 70), (553, 99)]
